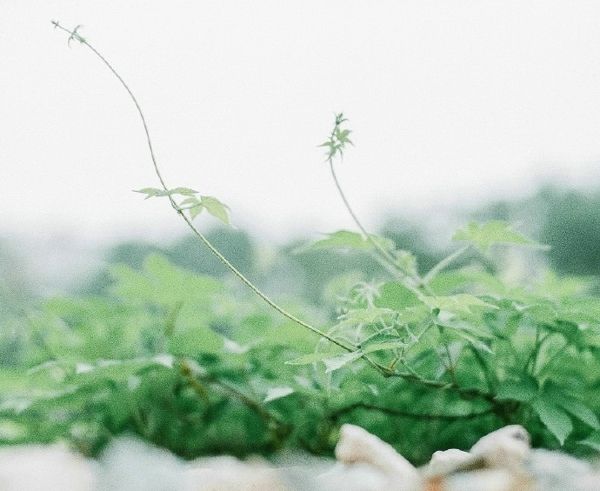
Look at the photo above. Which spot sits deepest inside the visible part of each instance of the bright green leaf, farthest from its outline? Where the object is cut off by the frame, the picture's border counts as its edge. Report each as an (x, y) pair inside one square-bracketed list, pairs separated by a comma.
[(469, 337), (461, 303), (311, 358), (383, 346), (151, 192), (216, 208), (196, 210), (182, 191), (275, 393), (189, 201), (346, 240), (394, 295), (524, 389), (367, 316), (580, 411), (338, 362), (156, 192), (483, 236), (554, 418)]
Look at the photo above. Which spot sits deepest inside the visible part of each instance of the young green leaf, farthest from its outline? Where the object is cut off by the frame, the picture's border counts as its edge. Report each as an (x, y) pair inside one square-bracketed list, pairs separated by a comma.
[(483, 236), (393, 344), (156, 192), (368, 316), (152, 192), (342, 135), (468, 336), (406, 261), (342, 239), (275, 393), (311, 358), (396, 296), (338, 362), (190, 201), (461, 303), (331, 148), (333, 361), (183, 191), (216, 208), (338, 139), (346, 240), (196, 210)]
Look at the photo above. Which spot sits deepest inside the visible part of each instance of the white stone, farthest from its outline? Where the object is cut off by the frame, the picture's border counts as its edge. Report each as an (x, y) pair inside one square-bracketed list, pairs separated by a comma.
[(45, 468), (445, 461), (506, 447), (358, 446)]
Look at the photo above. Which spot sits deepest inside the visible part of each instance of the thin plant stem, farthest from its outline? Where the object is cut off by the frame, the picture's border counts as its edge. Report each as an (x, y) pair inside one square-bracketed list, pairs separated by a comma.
[(444, 263), (196, 383), (407, 414), (382, 256), (450, 364), (74, 35), (489, 377), (410, 376), (385, 254)]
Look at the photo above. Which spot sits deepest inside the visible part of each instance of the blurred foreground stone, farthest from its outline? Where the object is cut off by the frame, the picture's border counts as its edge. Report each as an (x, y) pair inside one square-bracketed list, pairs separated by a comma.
[(500, 461)]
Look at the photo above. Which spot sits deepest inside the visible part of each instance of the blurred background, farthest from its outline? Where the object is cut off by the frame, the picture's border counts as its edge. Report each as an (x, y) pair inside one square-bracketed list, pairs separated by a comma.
[(460, 110)]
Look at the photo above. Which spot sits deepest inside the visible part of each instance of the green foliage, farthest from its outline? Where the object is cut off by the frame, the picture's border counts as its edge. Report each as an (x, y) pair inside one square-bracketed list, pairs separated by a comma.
[(186, 361), (155, 192), (338, 139), (211, 204), (192, 203), (193, 364), (483, 236), (345, 240)]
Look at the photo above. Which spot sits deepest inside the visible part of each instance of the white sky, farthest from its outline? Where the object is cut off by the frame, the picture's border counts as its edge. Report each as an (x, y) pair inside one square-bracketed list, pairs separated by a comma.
[(450, 102)]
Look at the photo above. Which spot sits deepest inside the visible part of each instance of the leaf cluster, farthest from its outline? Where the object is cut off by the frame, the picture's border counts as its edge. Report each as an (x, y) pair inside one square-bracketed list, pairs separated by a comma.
[(338, 139), (192, 202)]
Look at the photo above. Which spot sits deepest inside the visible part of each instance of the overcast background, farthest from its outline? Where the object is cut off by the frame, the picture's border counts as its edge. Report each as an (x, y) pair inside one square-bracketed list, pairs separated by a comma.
[(451, 103)]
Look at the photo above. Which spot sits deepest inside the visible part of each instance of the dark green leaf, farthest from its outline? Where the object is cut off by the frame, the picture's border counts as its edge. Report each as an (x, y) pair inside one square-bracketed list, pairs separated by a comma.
[(554, 418), (580, 411), (592, 441), (524, 389)]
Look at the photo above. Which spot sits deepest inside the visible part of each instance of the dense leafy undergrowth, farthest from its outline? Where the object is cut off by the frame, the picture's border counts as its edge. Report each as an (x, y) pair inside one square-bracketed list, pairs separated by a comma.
[(202, 365), (197, 365)]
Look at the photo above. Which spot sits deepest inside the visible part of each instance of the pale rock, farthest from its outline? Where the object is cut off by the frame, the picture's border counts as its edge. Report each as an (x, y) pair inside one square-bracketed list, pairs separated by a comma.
[(355, 477), (587, 482), (45, 468), (488, 480), (446, 461), (556, 470), (500, 461), (506, 447), (358, 446), (129, 464), (231, 474)]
